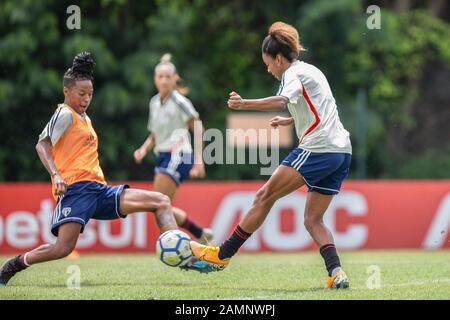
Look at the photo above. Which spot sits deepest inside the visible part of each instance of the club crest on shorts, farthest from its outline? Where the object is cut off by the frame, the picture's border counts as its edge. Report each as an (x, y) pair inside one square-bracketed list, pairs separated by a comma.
[(66, 211)]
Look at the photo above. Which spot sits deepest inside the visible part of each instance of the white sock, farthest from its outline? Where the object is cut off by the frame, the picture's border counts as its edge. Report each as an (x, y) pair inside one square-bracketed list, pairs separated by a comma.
[(25, 259)]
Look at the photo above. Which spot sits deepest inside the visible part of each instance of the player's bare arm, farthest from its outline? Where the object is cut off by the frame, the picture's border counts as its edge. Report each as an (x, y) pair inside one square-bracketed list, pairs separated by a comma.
[(277, 121), (44, 150), (264, 104), (146, 147), (198, 170)]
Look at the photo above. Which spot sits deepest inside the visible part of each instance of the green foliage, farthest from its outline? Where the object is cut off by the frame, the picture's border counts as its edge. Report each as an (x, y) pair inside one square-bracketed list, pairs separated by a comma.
[(216, 48), (433, 164), (388, 63)]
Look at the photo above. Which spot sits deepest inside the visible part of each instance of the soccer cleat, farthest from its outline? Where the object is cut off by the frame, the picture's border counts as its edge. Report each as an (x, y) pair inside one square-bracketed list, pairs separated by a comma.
[(9, 269), (339, 281), (207, 237), (197, 265), (209, 254)]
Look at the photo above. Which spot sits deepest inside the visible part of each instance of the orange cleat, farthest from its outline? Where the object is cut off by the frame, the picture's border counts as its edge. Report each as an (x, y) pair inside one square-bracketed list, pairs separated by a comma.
[(209, 254), (339, 281)]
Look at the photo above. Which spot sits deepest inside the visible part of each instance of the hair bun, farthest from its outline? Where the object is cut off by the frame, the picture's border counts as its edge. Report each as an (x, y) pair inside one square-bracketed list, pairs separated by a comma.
[(287, 35), (276, 27), (83, 63), (166, 58), (282, 29)]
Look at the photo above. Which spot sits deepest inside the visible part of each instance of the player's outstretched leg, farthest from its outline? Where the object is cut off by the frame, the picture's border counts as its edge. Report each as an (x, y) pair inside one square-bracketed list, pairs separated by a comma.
[(166, 184), (280, 184), (65, 243), (137, 200)]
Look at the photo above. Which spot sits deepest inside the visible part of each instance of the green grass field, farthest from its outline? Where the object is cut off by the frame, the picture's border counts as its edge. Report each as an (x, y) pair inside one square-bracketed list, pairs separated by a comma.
[(404, 275)]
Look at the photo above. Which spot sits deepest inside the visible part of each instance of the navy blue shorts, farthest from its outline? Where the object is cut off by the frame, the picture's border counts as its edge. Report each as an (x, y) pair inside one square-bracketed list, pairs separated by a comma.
[(175, 165), (87, 200), (322, 172)]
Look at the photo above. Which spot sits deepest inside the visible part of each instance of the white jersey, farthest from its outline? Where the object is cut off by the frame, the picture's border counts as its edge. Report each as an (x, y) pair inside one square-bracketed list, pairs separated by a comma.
[(168, 122), (314, 109)]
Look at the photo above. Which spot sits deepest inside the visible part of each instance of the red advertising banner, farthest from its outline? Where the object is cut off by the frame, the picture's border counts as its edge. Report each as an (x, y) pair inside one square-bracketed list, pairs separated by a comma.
[(365, 215)]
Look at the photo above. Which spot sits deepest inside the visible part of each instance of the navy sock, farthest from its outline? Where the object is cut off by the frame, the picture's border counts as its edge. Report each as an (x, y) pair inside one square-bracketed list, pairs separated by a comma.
[(233, 243), (329, 254), (193, 228)]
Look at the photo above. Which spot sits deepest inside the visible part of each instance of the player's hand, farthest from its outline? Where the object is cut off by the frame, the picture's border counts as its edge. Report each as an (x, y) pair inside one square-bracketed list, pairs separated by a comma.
[(280, 121), (235, 101), (59, 184), (139, 154), (197, 171)]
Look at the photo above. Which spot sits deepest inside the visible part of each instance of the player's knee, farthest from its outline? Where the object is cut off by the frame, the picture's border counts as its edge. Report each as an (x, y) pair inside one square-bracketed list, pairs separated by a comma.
[(164, 202), (263, 198), (310, 223), (62, 250)]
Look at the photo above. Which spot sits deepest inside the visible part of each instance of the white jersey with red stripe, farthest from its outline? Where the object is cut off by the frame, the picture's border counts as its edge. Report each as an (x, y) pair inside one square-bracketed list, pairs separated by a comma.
[(312, 105)]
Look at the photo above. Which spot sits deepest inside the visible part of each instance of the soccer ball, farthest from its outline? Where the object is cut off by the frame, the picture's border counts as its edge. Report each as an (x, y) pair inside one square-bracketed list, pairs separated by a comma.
[(173, 248)]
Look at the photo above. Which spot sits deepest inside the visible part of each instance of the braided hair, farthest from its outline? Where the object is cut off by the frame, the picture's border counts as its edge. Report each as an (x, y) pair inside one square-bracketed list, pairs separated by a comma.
[(82, 69)]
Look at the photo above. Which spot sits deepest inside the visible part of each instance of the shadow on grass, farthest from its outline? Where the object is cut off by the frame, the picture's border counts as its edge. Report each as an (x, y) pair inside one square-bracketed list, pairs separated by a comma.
[(253, 291)]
